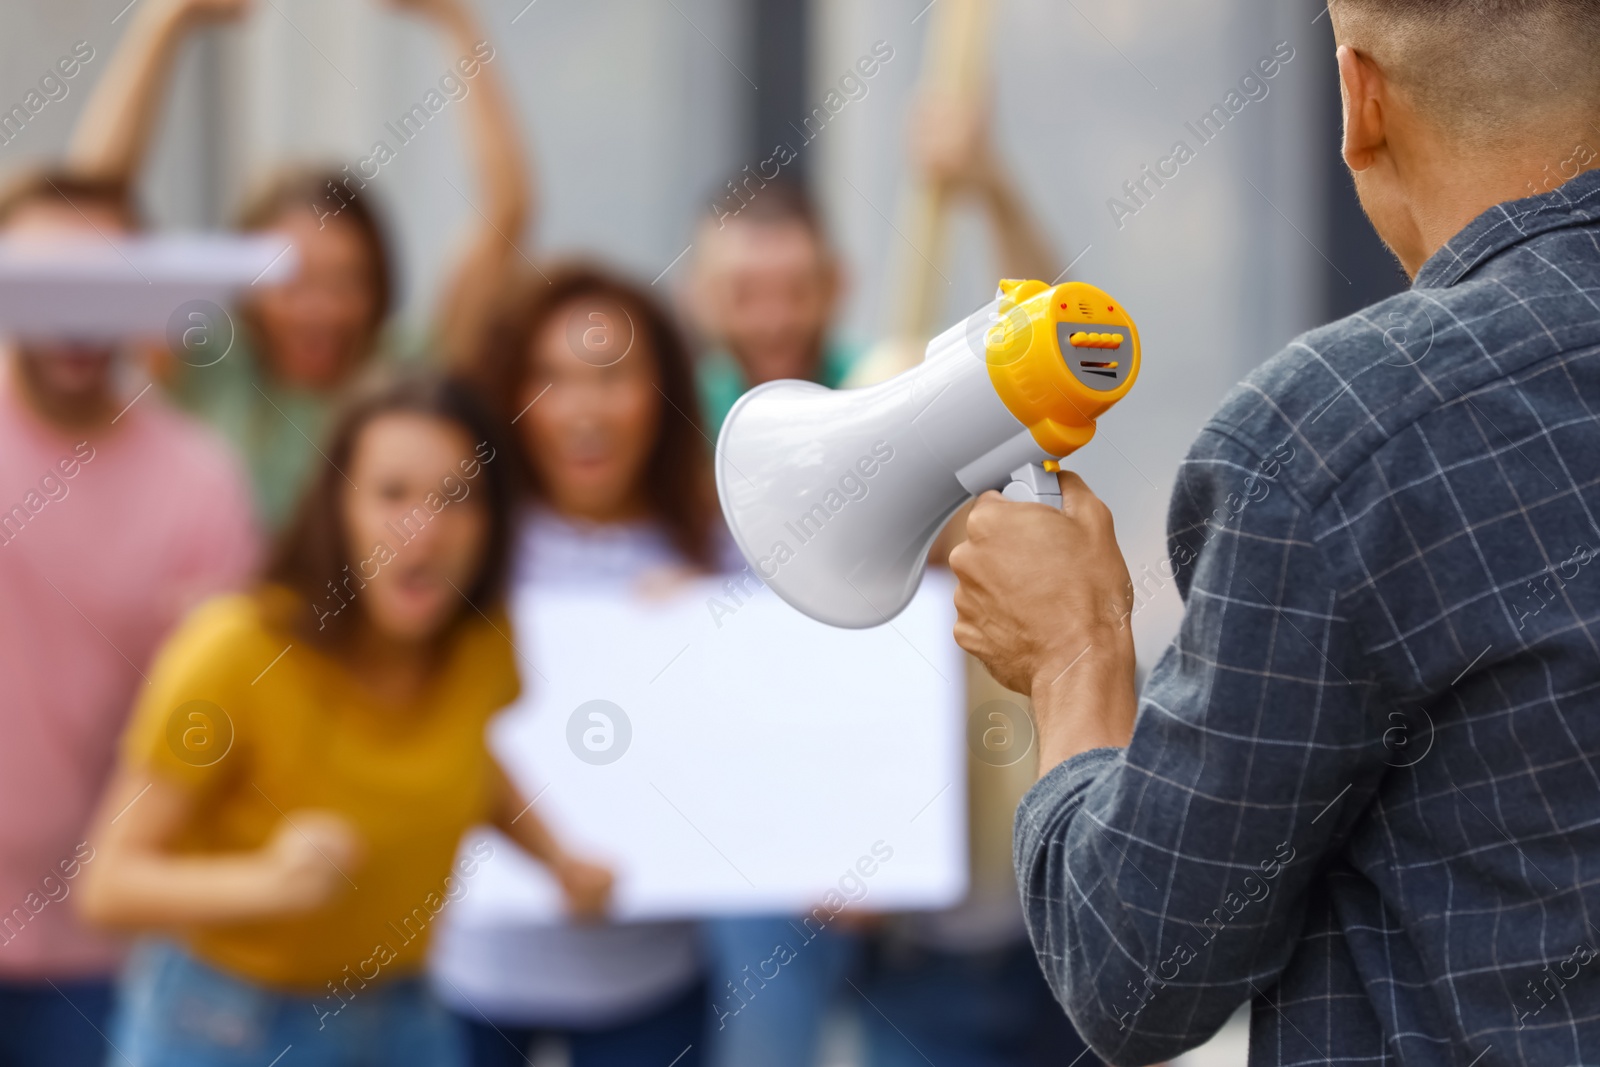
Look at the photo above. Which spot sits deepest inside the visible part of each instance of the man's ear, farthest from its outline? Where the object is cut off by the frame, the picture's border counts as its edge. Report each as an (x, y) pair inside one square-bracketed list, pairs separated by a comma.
[(1361, 88)]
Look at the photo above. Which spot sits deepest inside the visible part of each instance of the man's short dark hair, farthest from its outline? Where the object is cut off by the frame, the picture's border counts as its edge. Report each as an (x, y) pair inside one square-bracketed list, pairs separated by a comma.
[(783, 200), (325, 192), (1482, 69), (61, 185), (777, 202)]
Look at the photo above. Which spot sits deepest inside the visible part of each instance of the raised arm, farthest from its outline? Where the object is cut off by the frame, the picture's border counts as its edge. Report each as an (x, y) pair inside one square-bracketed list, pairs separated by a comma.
[(503, 205), (113, 135), (951, 144)]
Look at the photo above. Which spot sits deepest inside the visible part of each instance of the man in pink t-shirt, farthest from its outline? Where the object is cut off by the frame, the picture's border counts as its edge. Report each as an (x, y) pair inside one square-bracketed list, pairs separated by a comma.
[(116, 515)]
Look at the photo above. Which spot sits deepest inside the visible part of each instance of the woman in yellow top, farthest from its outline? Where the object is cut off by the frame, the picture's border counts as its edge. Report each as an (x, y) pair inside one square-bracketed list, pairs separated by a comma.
[(305, 759)]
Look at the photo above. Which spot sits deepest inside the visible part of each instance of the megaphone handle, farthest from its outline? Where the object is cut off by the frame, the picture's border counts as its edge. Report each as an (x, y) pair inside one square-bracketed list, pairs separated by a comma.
[(1032, 484)]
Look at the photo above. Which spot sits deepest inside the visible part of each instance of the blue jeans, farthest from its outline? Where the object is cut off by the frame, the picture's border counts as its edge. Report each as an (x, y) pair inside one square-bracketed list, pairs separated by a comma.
[(54, 1025), (671, 1034), (988, 1009), (767, 1006), (175, 1011)]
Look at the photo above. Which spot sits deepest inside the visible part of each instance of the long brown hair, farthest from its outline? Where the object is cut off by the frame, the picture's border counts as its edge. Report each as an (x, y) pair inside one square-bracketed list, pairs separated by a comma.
[(677, 481), (335, 195), (312, 555)]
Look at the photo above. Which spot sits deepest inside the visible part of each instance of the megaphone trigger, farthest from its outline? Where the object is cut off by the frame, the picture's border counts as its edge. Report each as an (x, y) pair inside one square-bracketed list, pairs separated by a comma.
[(1034, 483), (836, 496)]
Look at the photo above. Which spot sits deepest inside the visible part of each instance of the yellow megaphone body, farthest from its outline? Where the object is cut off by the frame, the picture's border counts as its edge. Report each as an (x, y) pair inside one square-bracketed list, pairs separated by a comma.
[(835, 496)]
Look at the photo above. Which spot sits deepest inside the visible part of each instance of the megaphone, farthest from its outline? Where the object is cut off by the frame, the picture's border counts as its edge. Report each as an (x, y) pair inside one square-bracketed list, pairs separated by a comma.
[(835, 496)]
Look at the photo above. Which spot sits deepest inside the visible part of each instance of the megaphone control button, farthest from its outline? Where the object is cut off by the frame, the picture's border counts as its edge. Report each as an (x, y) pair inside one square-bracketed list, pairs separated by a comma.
[(1085, 339)]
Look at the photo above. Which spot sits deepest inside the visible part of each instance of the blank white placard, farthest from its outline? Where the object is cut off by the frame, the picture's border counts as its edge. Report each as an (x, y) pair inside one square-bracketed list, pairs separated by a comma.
[(109, 288), (769, 754)]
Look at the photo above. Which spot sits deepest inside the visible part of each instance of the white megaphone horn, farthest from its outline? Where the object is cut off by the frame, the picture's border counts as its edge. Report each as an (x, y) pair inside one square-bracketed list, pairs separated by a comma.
[(835, 496)]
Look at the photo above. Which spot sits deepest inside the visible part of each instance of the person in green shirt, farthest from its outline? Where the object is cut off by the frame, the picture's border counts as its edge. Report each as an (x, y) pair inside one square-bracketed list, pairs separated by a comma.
[(296, 344), (763, 293), (766, 281)]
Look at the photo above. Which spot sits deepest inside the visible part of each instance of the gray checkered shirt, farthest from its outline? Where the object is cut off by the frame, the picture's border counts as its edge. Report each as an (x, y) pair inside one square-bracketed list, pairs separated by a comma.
[(1363, 791)]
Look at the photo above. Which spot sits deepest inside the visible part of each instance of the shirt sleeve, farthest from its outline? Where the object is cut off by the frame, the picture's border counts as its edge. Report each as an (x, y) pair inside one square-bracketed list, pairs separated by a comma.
[(1166, 885), (500, 661), (190, 725)]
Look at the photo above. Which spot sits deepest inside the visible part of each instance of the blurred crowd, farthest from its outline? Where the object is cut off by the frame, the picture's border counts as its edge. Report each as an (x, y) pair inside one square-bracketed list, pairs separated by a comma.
[(255, 623)]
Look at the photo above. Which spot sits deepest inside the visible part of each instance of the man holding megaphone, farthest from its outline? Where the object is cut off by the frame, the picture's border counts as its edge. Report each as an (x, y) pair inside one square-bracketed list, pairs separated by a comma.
[(1358, 790)]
